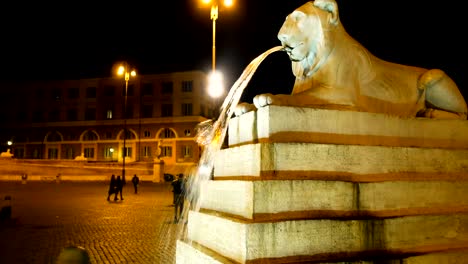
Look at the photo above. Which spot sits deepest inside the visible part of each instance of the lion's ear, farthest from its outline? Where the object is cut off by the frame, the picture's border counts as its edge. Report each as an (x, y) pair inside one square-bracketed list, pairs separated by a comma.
[(330, 6)]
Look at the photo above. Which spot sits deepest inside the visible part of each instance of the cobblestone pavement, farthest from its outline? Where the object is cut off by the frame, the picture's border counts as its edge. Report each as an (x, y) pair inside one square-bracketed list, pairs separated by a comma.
[(49, 216)]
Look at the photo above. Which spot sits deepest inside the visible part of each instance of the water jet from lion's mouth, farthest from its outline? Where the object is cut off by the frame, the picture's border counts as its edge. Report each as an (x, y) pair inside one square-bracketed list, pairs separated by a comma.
[(212, 134)]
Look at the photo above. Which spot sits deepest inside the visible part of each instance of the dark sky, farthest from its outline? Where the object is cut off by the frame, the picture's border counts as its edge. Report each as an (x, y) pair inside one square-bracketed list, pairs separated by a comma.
[(81, 40)]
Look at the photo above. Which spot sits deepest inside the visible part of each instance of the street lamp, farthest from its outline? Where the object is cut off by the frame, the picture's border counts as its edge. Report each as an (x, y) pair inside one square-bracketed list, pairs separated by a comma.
[(123, 70), (215, 84), (214, 17)]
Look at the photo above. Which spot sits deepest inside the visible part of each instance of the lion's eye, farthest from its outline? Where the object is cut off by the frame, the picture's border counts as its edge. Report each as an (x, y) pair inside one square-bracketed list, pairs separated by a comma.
[(297, 15)]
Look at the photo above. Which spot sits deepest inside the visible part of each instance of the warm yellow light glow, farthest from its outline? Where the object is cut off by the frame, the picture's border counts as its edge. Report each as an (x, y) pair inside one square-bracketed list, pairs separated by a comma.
[(9, 142), (206, 1), (215, 84), (228, 3), (121, 70)]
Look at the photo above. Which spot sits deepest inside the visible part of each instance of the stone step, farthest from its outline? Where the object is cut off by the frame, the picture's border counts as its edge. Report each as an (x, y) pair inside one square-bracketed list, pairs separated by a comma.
[(357, 163), (326, 239), (311, 199), (275, 124), (189, 253)]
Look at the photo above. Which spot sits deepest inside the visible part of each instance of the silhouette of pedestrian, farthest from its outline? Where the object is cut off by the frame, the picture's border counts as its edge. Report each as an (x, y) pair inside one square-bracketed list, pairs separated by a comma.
[(178, 186), (119, 184), (135, 181), (112, 187)]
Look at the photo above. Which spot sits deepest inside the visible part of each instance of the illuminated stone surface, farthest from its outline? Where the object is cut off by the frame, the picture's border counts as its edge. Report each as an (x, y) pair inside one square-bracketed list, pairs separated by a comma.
[(295, 124), (299, 199), (399, 191), (245, 241), (345, 162)]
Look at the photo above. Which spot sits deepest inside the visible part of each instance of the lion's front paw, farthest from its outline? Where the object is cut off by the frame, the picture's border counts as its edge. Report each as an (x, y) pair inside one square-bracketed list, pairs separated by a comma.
[(243, 108), (264, 100)]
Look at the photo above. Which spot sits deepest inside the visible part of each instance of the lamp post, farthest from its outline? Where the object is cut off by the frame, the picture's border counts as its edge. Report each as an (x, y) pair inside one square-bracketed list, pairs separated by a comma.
[(215, 85), (123, 70)]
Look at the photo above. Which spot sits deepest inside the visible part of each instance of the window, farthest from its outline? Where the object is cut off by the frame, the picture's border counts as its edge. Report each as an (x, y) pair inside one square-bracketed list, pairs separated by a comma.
[(90, 114), (56, 94), (167, 133), (167, 87), (147, 89), (147, 134), (52, 153), (72, 115), (129, 111), (35, 154), (90, 136), (147, 111), (89, 152), (69, 153), (166, 151), (127, 151), (186, 109), (73, 93), (130, 90), (109, 90), (146, 151), (54, 137), (108, 135), (187, 86), (91, 92), (108, 152), (166, 110), (129, 134), (202, 110), (37, 116), (54, 115), (187, 151), (109, 114), (19, 153)]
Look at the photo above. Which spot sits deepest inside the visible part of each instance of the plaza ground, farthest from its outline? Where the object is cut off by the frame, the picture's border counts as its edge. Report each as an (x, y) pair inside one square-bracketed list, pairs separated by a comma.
[(48, 216)]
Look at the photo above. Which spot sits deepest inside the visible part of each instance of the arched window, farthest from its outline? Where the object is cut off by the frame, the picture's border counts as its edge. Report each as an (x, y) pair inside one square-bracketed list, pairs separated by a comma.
[(129, 134), (54, 137), (90, 136), (167, 133)]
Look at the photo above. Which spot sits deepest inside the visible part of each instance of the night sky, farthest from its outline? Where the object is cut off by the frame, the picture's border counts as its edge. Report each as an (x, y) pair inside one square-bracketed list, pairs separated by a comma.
[(83, 40)]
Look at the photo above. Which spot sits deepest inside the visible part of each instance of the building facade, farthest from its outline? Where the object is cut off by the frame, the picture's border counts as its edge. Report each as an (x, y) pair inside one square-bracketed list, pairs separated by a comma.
[(66, 119)]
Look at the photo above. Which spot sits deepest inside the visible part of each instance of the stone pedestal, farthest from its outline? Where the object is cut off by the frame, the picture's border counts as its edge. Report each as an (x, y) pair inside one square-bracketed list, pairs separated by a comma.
[(158, 170), (313, 185)]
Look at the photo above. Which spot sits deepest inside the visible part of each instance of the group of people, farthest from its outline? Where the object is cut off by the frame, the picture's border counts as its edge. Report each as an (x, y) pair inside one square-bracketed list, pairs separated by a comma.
[(116, 186), (179, 189)]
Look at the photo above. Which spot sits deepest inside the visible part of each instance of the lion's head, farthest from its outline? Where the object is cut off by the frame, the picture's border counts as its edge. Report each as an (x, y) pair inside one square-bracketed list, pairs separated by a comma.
[(307, 35)]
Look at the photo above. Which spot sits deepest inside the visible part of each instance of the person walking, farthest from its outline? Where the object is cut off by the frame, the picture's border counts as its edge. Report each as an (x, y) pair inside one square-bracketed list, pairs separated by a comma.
[(135, 181), (119, 187), (112, 187), (179, 192)]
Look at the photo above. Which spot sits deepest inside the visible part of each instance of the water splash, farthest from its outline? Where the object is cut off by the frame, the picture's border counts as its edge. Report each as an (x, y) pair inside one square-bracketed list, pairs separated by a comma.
[(211, 135)]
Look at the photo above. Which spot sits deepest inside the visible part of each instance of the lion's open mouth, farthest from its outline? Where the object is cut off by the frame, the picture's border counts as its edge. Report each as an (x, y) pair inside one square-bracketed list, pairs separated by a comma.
[(290, 49), (287, 48)]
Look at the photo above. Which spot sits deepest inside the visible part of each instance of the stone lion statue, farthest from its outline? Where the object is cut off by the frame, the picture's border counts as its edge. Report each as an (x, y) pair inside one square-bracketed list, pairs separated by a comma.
[(334, 71)]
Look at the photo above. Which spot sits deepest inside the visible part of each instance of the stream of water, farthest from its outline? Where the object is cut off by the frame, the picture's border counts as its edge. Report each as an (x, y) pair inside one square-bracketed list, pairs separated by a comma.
[(212, 135)]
